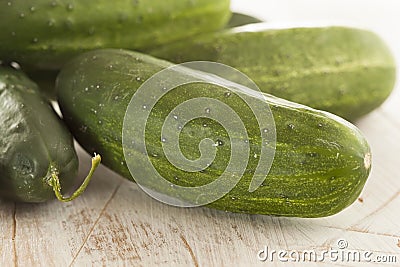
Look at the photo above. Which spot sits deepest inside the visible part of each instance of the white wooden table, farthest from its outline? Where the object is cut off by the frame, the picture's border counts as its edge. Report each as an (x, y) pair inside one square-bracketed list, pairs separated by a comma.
[(115, 223)]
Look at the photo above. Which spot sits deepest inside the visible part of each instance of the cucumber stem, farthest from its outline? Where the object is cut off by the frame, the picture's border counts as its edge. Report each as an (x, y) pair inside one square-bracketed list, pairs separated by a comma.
[(55, 182)]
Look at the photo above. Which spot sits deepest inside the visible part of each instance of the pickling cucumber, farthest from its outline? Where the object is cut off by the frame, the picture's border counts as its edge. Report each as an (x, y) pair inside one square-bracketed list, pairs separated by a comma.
[(321, 161), (346, 71), (37, 154), (44, 34)]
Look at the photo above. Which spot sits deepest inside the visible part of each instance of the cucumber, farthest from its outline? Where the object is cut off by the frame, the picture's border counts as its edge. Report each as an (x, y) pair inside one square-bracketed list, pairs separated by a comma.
[(45, 78), (36, 147), (321, 161), (239, 19), (44, 34), (34, 142), (346, 71)]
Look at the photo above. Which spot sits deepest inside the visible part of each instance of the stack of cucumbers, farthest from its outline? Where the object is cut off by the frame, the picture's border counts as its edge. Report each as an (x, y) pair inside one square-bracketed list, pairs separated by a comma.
[(91, 58)]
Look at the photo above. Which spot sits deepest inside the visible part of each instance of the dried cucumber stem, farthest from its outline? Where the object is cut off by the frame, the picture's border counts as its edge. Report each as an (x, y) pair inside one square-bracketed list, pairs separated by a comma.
[(55, 182)]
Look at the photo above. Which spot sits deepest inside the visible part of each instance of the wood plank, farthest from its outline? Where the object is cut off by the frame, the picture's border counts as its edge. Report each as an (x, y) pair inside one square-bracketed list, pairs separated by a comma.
[(391, 108), (7, 233), (151, 233)]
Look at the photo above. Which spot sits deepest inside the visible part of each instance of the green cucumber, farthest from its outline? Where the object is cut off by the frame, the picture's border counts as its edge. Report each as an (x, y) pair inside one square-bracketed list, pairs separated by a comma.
[(345, 71), (45, 34), (239, 19), (321, 161), (36, 147)]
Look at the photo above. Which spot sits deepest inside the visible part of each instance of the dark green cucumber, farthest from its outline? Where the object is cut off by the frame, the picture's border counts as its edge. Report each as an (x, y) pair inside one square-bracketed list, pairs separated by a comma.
[(239, 19), (346, 71), (37, 154), (44, 34), (34, 142), (321, 161)]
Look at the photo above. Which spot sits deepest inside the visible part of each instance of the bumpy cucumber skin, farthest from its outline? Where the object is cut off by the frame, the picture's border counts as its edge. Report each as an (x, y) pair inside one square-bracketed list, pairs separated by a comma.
[(45, 34), (239, 19), (321, 161), (34, 142), (345, 71)]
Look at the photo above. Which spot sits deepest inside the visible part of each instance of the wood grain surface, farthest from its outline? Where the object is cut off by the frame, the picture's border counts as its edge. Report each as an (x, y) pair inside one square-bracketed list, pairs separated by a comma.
[(114, 223)]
